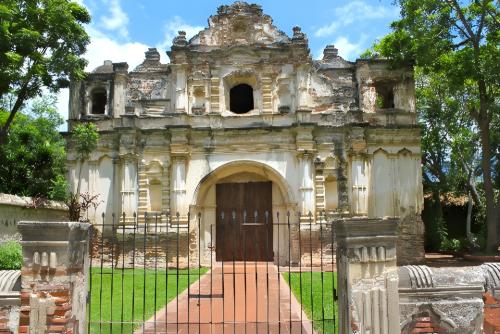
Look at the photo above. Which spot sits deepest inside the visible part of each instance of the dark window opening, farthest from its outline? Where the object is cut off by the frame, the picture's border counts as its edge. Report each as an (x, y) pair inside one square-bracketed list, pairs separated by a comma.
[(385, 96), (241, 99), (99, 100)]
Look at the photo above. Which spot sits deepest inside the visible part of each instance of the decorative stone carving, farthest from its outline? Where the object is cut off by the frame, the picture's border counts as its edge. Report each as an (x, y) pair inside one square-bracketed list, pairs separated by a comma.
[(444, 299), (180, 39), (298, 36), (367, 276)]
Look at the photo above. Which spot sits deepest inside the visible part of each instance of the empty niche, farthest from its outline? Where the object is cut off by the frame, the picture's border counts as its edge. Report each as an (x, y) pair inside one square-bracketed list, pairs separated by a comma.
[(98, 100), (241, 99), (385, 95), (331, 193), (155, 195), (198, 100)]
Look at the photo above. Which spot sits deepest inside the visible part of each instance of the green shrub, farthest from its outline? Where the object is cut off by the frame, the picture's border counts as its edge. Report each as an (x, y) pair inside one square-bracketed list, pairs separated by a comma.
[(11, 256), (450, 245)]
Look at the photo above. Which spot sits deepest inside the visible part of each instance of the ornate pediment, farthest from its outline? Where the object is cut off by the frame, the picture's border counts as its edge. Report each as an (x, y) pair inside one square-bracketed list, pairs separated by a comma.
[(239, 24)]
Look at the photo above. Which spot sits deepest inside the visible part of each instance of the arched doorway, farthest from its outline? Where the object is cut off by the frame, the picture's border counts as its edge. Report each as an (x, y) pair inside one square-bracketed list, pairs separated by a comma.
[(241, 204)]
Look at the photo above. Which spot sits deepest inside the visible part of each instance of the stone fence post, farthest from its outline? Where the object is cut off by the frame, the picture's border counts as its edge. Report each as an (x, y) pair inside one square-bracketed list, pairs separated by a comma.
[(367, 276), (54, 277)]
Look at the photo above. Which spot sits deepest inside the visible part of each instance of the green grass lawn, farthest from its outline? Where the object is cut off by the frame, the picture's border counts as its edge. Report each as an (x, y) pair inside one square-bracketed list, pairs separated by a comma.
[(323, 308), (119, 305)]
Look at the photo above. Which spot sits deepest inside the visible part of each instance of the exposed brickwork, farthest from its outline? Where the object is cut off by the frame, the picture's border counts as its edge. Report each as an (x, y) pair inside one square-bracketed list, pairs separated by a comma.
[(424, 323), (410, 245), (5, 313), (53, 277), (491, 315)]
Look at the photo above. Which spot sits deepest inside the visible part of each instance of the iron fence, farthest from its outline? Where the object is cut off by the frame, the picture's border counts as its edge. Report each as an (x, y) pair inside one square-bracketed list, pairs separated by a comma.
[(231, 272)]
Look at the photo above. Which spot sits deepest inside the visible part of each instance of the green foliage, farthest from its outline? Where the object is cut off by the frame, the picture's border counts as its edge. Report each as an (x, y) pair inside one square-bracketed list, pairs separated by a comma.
[(85, 137), (59, 190), (41, 44), (455, 47), (451, 245), (34, 155), (11, 256)]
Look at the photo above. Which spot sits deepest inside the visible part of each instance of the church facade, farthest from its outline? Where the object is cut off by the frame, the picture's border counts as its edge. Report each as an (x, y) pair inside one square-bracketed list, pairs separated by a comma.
[(243, 119)]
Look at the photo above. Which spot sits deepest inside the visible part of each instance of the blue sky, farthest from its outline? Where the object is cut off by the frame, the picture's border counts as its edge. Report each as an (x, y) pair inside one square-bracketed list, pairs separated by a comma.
[(122, 30)]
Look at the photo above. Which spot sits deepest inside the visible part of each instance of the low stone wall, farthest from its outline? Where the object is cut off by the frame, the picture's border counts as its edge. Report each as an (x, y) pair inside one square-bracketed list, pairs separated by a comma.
[(16, 208)]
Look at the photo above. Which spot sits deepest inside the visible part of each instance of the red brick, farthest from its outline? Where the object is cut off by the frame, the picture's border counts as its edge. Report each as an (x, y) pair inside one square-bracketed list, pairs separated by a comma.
[(423, 324), (58, 321), (54, 328), (23, 329)]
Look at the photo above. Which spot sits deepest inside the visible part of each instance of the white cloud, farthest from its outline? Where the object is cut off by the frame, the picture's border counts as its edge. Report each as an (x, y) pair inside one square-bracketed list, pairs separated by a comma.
[(117, 19), (171, 29), (103, 47), (347, 49), (327, 30), (355, 11)]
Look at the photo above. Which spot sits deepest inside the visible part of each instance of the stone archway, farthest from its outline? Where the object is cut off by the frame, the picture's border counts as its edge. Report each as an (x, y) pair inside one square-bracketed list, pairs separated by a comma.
[(282, 198)]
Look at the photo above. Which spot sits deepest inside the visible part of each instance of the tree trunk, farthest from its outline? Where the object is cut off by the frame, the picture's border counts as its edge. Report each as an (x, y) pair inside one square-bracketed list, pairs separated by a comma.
[(437, 215), (491, 210), (469, 218)]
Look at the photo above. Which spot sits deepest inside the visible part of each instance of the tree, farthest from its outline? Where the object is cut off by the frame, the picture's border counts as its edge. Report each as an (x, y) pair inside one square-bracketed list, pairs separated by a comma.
[(459, 40), (449, 146), (41, 42), (84, 139), (34, 156)]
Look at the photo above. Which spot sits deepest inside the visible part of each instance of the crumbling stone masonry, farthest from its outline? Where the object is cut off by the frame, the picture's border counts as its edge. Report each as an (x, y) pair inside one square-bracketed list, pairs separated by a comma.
[(54, 277)]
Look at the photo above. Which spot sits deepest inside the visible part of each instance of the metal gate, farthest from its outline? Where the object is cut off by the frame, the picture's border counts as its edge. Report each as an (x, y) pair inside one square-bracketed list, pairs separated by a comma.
[(157, 273)]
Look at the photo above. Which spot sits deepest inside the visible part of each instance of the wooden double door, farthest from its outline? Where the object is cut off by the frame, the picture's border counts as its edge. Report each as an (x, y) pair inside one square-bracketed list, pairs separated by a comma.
[(244, 230)]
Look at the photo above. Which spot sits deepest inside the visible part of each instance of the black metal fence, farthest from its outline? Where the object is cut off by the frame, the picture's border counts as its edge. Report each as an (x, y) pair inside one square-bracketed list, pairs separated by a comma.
[(231, 273)]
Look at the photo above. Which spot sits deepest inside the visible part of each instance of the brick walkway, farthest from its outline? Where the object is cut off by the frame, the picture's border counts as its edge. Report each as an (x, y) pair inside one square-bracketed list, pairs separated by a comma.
[(238, 308)]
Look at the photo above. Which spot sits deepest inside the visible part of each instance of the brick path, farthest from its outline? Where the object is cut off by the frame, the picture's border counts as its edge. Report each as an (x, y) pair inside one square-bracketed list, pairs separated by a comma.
[(267, 310)]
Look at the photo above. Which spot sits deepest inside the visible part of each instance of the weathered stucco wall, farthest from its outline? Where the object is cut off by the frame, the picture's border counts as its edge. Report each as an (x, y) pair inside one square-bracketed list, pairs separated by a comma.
[(15, 208)]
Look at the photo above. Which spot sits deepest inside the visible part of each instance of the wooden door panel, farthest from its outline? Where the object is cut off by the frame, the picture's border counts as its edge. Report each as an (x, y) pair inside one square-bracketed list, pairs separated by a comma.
[(243, 232)]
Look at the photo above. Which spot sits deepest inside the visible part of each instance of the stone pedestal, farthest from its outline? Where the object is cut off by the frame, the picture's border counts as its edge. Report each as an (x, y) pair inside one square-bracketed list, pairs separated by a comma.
[(367, 276), (54, 277)]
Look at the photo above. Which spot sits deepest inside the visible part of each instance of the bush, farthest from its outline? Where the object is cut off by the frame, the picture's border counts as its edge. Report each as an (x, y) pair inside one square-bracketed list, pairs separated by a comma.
[(11, 256)]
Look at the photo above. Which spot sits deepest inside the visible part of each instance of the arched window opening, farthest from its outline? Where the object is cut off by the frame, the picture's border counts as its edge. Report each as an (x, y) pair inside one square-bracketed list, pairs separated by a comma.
[(241, 99), (99, 100), (385, 96)]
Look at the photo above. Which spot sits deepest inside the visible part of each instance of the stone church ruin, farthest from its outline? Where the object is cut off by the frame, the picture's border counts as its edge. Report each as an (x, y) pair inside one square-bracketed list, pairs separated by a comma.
[(242, 118)]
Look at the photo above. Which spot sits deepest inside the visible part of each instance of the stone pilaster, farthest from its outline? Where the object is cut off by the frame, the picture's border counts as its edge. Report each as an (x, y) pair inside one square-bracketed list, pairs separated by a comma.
[(54, 277), (306, 185), (178, 200), (129, 186), (367, 276)]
